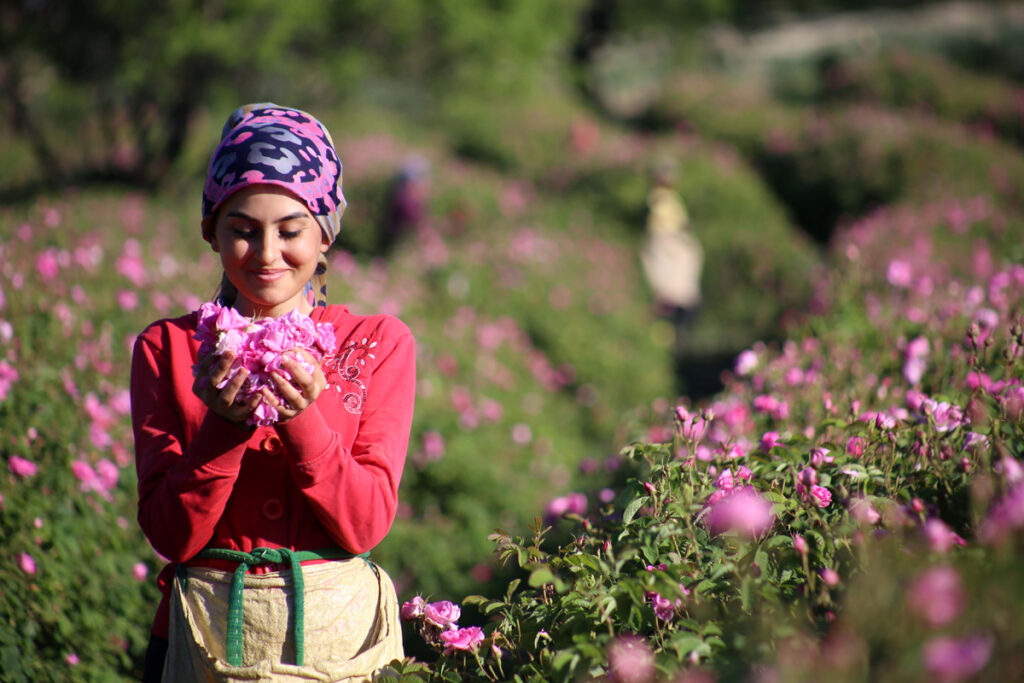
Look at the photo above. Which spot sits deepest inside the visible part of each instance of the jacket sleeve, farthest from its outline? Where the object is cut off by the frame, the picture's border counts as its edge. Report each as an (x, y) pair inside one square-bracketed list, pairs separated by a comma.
[(354, 492), (183, 485)]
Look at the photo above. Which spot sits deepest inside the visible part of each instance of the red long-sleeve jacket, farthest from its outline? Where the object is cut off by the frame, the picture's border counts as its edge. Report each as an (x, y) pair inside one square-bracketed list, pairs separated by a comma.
[(328, 477)]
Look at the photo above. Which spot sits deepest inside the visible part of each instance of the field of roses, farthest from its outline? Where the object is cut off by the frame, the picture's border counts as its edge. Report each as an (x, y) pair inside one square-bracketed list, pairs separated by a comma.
[(826, 485)]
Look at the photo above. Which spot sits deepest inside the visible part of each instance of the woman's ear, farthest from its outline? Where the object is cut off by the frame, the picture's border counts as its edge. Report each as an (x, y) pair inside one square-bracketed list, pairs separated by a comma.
[(210, 233), (325, 243)]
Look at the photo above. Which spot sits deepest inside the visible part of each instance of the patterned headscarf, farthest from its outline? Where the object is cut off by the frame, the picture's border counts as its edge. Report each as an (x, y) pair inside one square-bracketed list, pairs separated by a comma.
[(266, 144)]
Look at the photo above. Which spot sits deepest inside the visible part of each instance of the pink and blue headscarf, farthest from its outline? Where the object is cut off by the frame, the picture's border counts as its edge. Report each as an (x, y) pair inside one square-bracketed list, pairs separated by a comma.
[(266, 144)]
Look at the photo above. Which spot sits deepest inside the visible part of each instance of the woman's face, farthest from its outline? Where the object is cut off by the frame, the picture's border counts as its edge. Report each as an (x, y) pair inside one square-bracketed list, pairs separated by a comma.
[(269, 244)]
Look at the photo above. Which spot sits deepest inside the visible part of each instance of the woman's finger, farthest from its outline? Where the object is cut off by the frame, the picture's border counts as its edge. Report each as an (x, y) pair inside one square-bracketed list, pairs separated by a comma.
[(304, 380), (230, 391), (221, 367)]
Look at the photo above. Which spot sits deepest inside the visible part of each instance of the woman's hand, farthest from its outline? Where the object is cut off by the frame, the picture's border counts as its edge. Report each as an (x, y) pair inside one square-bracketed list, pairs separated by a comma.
[(301, 391), (210, 372)]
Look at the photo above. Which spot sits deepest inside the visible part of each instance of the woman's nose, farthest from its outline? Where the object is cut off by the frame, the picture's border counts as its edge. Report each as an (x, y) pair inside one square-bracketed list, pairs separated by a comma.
[(268, 247)]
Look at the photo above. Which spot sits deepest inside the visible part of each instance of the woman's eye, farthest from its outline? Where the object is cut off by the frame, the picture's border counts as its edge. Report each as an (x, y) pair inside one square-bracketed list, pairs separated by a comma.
[(243, 233), (289, 234)]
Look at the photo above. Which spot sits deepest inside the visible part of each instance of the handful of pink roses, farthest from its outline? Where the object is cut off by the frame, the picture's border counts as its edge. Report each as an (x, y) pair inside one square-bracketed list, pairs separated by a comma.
[(259, 347)]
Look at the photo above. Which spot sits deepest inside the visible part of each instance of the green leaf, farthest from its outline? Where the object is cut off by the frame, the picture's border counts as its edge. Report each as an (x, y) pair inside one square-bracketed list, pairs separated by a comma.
[(632, 508), (761, 559), (684, 643), (565, 657), (541, 576), (746, 593), (776, 541)]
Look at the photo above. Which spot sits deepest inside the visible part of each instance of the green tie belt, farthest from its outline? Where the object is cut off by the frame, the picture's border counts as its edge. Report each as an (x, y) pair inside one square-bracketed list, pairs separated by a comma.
[(260, 556)]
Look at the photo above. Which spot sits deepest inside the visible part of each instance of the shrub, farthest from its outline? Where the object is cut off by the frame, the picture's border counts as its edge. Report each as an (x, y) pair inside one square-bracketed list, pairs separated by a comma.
[(856, 475)]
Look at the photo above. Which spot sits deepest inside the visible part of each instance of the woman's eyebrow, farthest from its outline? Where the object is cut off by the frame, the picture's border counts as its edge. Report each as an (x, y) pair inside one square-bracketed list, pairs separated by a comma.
[(244, 216)]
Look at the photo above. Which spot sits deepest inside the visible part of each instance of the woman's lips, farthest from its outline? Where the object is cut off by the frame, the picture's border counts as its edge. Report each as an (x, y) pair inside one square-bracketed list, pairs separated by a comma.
[(268, 275)]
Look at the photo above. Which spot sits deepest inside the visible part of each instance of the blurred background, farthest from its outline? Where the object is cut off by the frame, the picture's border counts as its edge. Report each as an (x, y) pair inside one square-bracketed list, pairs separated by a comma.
[(500, 161)]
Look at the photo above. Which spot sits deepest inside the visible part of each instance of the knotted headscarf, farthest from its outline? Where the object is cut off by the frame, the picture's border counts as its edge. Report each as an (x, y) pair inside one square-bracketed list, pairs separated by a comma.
[(266, 144)]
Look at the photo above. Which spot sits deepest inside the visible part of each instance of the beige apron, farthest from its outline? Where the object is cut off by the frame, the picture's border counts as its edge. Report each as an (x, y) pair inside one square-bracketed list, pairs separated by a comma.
[(351, 620)]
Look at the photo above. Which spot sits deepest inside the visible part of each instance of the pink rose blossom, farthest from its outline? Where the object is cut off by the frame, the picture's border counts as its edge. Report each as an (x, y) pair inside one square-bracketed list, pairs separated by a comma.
[(1005, 516), (730, 451), (956, 659), (830, 577), (800, 544), (899, 274), (820, 456), (571, 503), (808, 476), (975, 442), (47, 264), (746, 363), (88, 479), (855, 446), (413, 609), (108, 474), (937, 595), (466, 639), (768, 440), (765, 403), (744, 511), (127, 299), (521, 433), (862, 511), (940, 537), (630, 660), (945, 415), (8, 376), (21, 467), (27, 563), (71, 659), (664, 608), (433, 445), (819, 495), (915, 360), (1011, 469), (443, 614), (140, 571)]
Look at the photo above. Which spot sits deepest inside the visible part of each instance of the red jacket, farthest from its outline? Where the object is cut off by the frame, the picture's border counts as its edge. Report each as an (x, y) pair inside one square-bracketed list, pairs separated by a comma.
[(328, 477)]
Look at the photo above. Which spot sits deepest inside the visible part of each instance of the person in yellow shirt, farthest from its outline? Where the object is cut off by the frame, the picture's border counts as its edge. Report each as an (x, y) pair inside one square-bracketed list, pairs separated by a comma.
[(671, 255)]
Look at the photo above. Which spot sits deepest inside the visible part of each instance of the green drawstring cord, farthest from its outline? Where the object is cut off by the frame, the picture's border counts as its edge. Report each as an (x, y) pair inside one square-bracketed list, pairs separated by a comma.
[(259, 556)]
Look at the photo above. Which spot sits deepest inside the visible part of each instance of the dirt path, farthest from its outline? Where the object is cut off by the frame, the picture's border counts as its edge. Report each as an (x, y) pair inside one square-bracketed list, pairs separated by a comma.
[(867, 30)]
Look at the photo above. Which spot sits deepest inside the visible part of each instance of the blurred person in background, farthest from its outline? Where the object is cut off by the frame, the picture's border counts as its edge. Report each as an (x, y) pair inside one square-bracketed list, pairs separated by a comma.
[(267, 527), (671, 255), (405, 206)]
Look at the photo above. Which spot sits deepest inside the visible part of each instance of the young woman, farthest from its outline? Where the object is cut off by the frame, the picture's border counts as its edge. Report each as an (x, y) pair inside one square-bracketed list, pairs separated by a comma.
[(265, 526)]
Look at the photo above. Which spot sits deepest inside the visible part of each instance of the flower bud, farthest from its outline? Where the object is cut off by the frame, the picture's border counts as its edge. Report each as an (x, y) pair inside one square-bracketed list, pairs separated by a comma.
[(800, 543)]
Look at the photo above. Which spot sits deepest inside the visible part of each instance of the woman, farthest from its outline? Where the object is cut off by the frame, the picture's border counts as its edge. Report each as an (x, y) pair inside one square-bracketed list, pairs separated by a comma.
[(264, 525)]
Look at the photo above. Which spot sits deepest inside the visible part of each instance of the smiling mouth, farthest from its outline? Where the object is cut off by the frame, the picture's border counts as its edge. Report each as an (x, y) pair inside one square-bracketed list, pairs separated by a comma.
[(268, 275)]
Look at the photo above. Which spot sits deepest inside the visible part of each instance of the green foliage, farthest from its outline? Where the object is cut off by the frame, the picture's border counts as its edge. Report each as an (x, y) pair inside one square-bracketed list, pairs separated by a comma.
[(832, 586)]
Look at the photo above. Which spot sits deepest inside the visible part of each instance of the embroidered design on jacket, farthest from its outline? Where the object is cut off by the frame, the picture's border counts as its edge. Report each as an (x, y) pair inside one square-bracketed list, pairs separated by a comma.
[(343, 370)]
